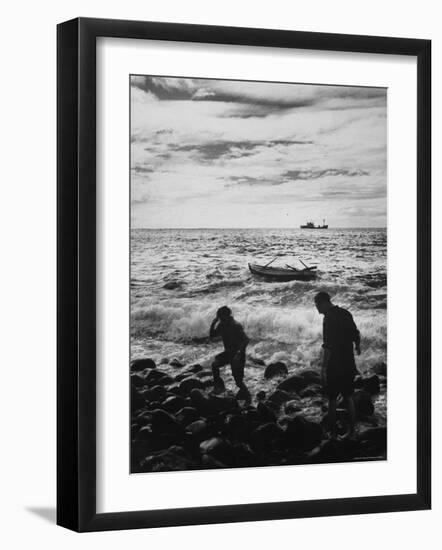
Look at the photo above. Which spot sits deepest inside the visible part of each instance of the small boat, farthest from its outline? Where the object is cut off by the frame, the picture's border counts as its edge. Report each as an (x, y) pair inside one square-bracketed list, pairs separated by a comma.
[(283, 274)]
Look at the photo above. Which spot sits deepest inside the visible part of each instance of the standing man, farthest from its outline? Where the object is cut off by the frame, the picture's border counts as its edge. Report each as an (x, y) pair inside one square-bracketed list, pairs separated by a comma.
[(235, 342), (338, 368)]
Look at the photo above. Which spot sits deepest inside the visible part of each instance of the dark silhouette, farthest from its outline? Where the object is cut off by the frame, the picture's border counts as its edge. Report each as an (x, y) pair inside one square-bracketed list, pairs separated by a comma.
[(338, 368), (235, 342)]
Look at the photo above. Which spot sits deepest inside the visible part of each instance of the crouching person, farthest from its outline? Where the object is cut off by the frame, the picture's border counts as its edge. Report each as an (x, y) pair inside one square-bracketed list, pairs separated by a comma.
[(235, 343)]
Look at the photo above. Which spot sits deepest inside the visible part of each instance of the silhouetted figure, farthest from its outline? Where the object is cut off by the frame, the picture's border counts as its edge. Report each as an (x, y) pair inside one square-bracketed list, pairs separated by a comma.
[(338, 368), (235, 342)]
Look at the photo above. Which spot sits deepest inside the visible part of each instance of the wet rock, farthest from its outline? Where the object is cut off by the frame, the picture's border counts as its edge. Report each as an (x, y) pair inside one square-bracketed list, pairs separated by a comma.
[(199, 429), (373, 441), (292, 406), (276, 369), (195, 368), (235, 427), (199, 400), (186, 415), (154, 377), (310, 376), (221, 404), (371, 384), (165, 423), (265, 413), (363, 403), (311, 391), (137, 381), (257, 361), (181, 376), (157, 393), (265, 436), (279, 396), (380, 368), (188, 384), (243, 456), (174, 458), (136, 400), (301, 433), (294, 383), (333, 450), (176, 363), (174, 404), (164, 361), (261, 395), (209, 461), (142, 364), (218, 448)]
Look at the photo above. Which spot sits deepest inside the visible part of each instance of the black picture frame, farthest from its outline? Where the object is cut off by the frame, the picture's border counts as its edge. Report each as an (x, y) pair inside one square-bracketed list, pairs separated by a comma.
[(76, 273)]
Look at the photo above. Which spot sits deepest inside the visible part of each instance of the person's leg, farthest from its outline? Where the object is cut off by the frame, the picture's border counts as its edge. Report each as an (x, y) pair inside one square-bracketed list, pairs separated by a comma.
[(350, 406), (218, 384), (237, 366), (332, 415)]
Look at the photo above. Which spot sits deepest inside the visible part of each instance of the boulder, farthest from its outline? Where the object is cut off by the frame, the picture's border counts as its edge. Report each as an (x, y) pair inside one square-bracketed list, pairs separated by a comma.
[(312, 390), (265, 413), (136, 400), (164, 423), (380, 368), (157, 393), (195, 368), (294, 383), (218, 448), (154, 377), (176, 363), (363, 404), (279, 396), (221, 404), (235, 427), (373, 441), (186, 415), (209, 461), (261, 395), (276, 369), (188, 384), (301, 433), (199, 429), (137, 380), (174, 403), (265, 436), (142, 364), (310, 376), (174, 458), (199, 400), (292, 407), (372, 384)]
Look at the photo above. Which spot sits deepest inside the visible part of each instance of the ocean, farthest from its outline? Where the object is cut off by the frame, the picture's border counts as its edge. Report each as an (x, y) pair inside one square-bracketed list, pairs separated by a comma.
[(180, 277)]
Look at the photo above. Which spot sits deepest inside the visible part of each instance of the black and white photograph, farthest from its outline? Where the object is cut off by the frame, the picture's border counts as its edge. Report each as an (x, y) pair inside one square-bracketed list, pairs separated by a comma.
[(258, 273)]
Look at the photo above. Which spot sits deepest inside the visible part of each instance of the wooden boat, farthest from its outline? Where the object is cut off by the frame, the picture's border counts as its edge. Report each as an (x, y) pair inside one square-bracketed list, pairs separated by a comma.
[(283, 274)]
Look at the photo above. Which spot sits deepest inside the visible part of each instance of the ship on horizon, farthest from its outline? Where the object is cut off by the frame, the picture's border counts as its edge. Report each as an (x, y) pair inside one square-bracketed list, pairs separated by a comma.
[(311, 225)]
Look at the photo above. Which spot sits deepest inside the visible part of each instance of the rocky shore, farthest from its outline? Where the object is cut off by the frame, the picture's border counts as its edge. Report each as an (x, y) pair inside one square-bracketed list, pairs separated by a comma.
[(178, 424)]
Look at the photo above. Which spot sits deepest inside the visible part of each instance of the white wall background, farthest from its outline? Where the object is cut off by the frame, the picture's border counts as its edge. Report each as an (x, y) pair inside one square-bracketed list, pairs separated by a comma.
[(27, 289)]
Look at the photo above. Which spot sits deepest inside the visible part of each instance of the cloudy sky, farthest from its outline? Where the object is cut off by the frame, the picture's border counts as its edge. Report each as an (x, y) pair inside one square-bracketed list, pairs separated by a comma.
[(218, 153)]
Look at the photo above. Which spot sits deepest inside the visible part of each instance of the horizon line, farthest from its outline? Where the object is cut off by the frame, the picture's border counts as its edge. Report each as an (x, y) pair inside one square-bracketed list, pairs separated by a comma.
[(269, 227)]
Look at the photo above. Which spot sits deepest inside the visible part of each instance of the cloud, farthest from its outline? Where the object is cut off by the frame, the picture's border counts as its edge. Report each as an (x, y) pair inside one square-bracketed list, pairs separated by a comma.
[(199, 146)]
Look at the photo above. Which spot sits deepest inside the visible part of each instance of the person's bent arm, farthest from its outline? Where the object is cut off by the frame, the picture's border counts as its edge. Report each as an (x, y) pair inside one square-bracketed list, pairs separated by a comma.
[(213, 329), (356, 336)]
